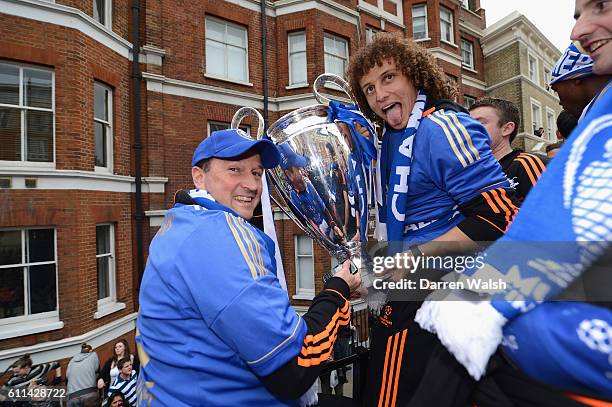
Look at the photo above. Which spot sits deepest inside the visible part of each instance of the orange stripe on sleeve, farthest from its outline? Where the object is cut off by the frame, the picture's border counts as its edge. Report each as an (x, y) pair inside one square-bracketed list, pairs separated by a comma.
[(528, 170), (590, 401), (384, 375), (490, 202), (399, 366), (490, 223), (508, 201), (531, 160), (502, 205), (536, 160)]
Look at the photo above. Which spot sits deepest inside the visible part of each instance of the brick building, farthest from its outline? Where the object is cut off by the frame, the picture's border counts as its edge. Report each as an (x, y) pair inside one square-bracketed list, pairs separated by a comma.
[(518, 62), (70, 167)]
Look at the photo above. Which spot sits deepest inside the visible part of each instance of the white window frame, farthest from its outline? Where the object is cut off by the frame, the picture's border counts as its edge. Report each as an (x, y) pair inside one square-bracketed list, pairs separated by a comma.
[(452, 28), (424, 7), (370, 33), (336, 38), (470, 64), (31, 323), (300, 292), (551, 124), (536, 73), (465, 4), (547, 77), (378, 10), (536, 122), (108, 13), (108, 305), (23, 108), (290, 54), (112, 282), (108, 126), (244, 127), (226, 77)]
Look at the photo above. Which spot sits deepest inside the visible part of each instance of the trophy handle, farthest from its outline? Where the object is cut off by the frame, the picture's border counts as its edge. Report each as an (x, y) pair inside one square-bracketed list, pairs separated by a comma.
[(336, 80), (245, 112)]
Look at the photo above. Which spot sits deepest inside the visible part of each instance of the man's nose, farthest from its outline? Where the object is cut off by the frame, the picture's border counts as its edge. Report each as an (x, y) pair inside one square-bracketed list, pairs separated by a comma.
[(251, 182), (581, 29)]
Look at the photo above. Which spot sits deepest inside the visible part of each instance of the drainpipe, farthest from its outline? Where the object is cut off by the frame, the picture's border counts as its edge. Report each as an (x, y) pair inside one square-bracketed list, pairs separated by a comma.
[(264, 64), (139, 216)]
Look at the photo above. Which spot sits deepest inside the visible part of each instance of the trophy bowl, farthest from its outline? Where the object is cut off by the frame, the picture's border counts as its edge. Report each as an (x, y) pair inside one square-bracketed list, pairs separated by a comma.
[(322, 180)]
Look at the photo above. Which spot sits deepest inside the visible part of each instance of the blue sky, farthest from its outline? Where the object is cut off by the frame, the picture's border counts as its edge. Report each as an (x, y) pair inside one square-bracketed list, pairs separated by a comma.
[(554, 18)]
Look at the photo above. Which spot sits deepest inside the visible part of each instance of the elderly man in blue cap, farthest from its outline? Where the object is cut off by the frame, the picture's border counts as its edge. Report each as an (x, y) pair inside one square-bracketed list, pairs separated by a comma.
[(574, 81), (215, 328)]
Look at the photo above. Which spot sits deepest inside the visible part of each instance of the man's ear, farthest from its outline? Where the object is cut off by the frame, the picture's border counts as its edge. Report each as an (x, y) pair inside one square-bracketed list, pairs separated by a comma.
[(508, 128), (197, 174)]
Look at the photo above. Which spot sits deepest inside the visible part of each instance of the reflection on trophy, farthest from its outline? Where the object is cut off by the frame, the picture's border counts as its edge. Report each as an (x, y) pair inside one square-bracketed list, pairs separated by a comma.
[(324, 176)]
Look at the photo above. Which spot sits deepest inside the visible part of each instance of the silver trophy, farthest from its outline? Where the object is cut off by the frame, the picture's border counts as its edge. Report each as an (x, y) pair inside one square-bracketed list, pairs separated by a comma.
[(322, 184)]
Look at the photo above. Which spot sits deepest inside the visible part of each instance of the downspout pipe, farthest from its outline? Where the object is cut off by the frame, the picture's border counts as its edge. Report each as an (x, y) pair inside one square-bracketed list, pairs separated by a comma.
[(264, 62), (136, 77)]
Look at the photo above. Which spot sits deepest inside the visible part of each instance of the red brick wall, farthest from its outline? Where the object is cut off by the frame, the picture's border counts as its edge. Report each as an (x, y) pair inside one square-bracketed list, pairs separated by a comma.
[(77, 61), (74, 215)]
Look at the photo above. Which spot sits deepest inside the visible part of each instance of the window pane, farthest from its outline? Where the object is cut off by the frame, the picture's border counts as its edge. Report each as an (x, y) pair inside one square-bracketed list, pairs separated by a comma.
[(328, 43), (236, 36), (306, 272), (37, 86), (103, 239), (418, 11), (41, 245), (9, 84), (445, 15), (236, 62), (98, 11), (215, 30), (334, 65), (304, 245), (218, 126), (297, 42), (100, 144), (341, 48), (103, 286), (215, 58), (39, 136), (100, 102), (298, 68), (43, 295), (11, 292), (418, 28), (10, 247), (10, 134)]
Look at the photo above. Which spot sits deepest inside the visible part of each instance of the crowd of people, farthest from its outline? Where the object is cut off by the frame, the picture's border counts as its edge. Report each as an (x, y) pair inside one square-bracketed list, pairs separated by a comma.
[(86, 384)]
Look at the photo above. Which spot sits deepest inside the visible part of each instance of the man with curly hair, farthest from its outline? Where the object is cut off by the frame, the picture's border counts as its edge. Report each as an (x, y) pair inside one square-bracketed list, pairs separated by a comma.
[(438, 182)]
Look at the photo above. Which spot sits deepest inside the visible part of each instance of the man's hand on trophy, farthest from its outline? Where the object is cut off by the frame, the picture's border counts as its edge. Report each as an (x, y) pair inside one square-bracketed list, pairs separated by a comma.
[(353, 280)]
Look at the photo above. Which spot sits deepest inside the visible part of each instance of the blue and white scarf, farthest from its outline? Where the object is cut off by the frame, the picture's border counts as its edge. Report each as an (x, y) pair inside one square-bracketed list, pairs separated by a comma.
[(393, 181)]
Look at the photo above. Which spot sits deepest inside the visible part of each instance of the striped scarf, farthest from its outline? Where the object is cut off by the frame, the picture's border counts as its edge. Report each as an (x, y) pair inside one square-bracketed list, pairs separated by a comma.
[(393, 181)]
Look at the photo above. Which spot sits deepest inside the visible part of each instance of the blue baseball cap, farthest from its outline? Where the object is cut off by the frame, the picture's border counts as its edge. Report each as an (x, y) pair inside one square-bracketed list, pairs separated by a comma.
[(232, 143), (573, 64), (289, 158)]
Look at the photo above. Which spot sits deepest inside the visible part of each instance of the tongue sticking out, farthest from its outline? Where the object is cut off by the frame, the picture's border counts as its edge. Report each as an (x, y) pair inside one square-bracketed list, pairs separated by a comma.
[(394, 115)]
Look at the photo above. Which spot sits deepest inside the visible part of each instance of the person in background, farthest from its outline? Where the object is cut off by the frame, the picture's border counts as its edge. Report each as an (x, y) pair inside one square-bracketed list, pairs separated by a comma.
[(110, 370), (125, 381), (117, 399), (81, 376), (566, 122), (501, 118), (553, 149), (574, 81)]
